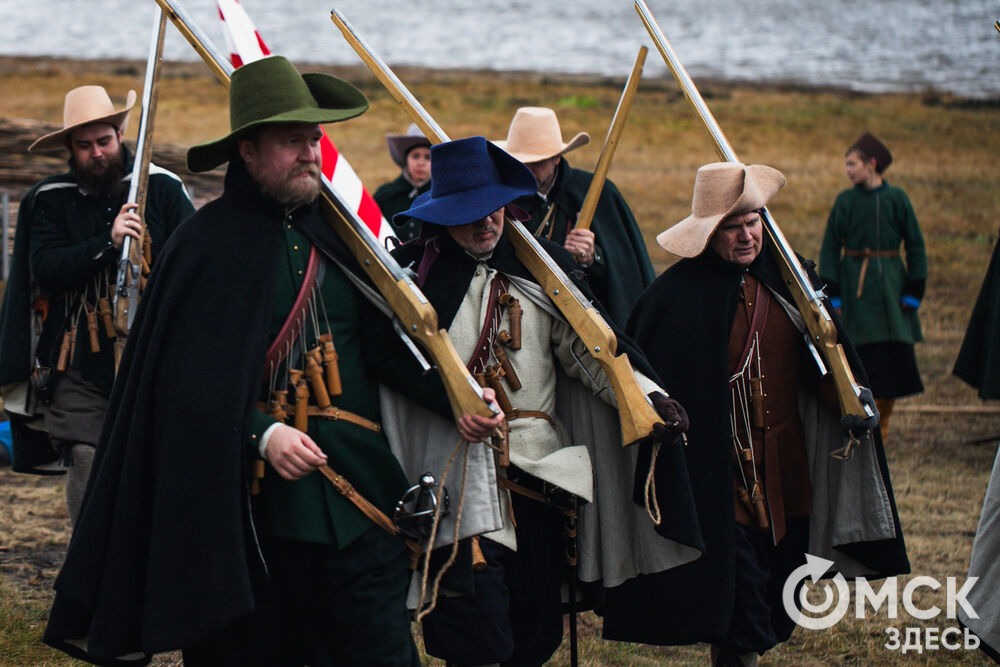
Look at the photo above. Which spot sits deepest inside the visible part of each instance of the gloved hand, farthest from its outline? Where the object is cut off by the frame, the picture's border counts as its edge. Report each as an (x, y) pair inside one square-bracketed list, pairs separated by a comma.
[(859, 426), (675, 419), (909, 303)]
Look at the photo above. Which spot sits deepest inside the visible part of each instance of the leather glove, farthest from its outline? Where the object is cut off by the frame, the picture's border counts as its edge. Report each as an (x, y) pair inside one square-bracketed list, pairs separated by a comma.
[(675, 419), (858, 426)]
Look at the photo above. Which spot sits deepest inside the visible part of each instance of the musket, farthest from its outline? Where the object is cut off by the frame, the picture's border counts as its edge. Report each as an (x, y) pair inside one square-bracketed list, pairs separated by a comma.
[(413, 312), (821, 332), (133, 253), (636, 413), (586, 215)]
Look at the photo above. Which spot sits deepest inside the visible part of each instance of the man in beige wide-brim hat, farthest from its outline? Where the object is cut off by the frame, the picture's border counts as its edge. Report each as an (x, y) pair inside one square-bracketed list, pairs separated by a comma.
[(721, 329), (612, 251), (69, 230)]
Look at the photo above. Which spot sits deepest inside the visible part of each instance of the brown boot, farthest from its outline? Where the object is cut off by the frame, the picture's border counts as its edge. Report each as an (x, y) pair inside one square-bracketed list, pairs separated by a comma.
[(884, 406)]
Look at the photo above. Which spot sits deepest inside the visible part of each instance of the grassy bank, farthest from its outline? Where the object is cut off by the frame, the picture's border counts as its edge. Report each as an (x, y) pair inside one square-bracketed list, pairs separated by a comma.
[(944, 153)]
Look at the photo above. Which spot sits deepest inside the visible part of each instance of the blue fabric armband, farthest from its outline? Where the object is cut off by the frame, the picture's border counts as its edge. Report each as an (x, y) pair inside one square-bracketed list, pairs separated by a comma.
[(911, 301), (835, 302)]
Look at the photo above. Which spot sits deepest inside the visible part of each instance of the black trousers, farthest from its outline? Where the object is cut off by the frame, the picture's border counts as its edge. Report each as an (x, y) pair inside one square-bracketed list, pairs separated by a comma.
[(759, 619), (514, 617), (323, 606)]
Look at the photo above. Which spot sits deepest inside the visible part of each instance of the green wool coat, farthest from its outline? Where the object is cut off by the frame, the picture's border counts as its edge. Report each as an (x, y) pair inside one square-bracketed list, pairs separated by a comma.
[(395, 197), (879, 219), (310, 509)]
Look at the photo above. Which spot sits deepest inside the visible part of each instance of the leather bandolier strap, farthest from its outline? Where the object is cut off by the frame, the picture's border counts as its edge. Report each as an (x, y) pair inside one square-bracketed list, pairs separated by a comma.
[(286, 337)]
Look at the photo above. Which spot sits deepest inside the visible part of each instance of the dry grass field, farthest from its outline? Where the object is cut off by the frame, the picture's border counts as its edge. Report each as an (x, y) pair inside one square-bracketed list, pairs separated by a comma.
[(945, 158)]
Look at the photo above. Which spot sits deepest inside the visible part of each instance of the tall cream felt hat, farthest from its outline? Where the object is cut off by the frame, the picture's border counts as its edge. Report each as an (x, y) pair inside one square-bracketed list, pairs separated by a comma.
[(534, 135), (721, 189), (84, 106)]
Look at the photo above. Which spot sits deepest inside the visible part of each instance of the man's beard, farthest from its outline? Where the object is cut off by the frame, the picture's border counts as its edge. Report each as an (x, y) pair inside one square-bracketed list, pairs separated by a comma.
[(101, 182), (293, 191)]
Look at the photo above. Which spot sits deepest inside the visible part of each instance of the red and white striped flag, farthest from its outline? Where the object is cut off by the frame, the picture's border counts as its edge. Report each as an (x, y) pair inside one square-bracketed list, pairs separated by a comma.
[(245, 45)]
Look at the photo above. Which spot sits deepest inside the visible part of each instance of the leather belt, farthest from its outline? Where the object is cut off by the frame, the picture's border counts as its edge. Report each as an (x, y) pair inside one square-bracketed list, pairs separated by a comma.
[(867, 254), (334, 413), (517, 413), (347, 490)]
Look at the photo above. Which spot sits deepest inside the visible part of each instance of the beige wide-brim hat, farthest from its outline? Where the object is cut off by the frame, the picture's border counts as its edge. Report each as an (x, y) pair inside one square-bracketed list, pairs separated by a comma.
[(721, 189), (84, 106), (534, 135)]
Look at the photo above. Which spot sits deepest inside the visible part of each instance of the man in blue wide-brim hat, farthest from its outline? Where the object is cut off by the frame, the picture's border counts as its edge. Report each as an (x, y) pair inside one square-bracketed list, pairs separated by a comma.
[(561, 462), (172, 551)]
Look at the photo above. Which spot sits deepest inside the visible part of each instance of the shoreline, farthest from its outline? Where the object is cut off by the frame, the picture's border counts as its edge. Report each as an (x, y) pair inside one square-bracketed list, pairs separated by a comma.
[(184, 69)]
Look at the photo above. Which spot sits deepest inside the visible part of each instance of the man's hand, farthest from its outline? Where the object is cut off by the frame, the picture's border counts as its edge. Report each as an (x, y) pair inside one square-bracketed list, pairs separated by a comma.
[(475, 428), (675, 419), (127, 223), (859, 426), (293, 453), (580, 244)]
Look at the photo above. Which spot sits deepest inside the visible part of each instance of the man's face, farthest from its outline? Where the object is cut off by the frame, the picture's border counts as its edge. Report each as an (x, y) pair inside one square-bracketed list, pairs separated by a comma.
[(96, 156), (285, 161), (738, 238), (544, 171), (418, 163), (481, 237)]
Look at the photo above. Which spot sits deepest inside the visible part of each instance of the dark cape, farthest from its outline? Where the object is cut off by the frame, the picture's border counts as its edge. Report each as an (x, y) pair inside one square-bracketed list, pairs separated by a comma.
[(446, 285), (164, 553), (31, 447), (626, 269), (683, 322), (978, 360)]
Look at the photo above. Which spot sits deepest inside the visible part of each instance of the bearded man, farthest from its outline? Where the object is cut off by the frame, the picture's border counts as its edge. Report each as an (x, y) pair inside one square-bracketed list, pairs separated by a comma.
[(172, 551), (69, 233)]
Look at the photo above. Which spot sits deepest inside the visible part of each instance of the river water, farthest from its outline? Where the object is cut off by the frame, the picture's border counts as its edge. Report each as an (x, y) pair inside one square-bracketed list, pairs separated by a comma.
[(871, 45)]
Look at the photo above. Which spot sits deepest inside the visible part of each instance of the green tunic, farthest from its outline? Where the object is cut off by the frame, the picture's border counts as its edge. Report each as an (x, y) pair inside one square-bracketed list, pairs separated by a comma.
[(880, 220), (395, 197), (310, 509)]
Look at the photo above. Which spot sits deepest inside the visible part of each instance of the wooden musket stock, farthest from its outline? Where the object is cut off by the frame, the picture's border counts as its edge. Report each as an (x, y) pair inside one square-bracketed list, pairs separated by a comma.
[(637, 415), (410, 306), (586, 215), (821, 331), (130, 262)]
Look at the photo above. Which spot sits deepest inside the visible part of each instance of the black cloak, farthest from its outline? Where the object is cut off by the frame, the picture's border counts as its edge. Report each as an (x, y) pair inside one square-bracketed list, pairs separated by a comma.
[(446, 285), (682, 322), (164, 553), (978, 360)]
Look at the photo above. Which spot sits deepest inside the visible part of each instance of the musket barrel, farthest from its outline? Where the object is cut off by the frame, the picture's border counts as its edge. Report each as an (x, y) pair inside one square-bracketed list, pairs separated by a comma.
[(821, 332)]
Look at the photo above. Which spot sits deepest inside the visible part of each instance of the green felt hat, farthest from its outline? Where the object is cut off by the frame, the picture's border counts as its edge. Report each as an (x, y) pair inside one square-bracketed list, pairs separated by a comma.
[(270, 91)]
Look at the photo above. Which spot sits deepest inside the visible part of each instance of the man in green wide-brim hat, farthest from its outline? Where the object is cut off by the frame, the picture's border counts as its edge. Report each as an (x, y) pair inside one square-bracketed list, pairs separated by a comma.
[(172, 550)]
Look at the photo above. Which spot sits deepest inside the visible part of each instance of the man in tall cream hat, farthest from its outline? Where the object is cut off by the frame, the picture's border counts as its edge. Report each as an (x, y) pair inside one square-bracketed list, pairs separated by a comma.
[(299, 573), (612, 251), (721, 329), (70, 228)]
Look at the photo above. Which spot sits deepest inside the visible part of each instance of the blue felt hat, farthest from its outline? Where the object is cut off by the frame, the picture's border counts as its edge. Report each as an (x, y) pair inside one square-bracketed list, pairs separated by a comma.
[(470, 178)]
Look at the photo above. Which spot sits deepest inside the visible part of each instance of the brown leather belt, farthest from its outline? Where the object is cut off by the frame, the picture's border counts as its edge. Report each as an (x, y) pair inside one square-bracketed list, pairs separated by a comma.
[(517, 413), (333, 413), (867, 254)]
